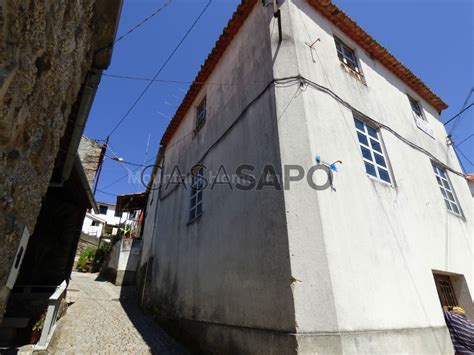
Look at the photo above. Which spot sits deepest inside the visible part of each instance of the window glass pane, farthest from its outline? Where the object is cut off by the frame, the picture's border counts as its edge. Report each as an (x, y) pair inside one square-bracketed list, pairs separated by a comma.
[(192, 214), (450, 196), (448, 205), (199, 209), (455, 208), (362, 138), (384, 175), (199, 196), (446, 184), (376, 145), (366, 153), (359, 124), (372, 132), (379, 159), (370, 169)]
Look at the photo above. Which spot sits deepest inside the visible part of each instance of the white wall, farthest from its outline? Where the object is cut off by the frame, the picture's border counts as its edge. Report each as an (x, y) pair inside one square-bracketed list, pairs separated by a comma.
[(230, 266), (357, 260), (88, 228), (381, 242)]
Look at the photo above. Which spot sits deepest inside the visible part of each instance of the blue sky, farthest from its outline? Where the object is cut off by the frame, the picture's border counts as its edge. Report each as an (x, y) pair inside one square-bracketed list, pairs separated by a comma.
[(434, 38)]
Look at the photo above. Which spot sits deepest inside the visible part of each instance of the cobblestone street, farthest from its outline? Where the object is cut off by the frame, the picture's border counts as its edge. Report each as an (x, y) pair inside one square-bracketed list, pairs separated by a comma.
[(105, 318)]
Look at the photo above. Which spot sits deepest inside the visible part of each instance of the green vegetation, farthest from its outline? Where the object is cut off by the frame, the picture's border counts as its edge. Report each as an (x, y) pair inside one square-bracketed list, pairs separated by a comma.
[(92, 258)]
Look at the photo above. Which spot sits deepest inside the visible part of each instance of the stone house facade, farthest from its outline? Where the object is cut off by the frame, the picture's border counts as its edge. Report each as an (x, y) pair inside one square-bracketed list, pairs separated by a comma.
[(51, 57)]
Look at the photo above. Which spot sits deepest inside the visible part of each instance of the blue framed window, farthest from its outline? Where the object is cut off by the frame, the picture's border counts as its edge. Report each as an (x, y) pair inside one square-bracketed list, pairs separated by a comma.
[(372, 151), (446, 188)]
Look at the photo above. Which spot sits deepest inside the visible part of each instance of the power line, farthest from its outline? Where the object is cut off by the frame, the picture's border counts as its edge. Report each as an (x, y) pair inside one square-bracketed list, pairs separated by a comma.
[(106, 193), (458, 114), (136, 26), (121, 161), (161, 69), (177, 81)]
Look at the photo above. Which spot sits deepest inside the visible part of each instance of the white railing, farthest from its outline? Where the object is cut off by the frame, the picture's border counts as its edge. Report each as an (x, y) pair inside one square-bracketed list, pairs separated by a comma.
[(51, 317)]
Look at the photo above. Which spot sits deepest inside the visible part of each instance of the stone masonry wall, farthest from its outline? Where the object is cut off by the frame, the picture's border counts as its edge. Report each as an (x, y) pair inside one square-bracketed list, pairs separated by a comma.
[(45, 53)]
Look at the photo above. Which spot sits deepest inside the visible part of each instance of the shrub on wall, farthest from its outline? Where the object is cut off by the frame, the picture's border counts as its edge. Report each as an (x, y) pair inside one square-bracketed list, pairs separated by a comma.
[(92, 258)]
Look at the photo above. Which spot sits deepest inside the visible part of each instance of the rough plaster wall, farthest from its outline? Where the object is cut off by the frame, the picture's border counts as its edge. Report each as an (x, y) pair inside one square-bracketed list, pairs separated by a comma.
[(232, 265), (381, 242), (44, 56)]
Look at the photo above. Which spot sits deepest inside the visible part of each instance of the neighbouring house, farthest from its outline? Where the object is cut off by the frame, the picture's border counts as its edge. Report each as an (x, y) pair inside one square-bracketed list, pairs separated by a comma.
[(91, 154), (110, 217), (122, 264), (51, 60), (94, 225), (362, 266)]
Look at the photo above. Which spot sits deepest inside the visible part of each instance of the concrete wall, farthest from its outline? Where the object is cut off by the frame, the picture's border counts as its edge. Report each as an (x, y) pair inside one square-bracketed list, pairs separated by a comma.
[(344, 270), (229, 268), (381, 242), (123, 261)]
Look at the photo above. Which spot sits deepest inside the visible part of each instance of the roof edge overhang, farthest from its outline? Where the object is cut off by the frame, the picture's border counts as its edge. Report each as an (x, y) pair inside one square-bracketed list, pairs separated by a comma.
[(335, 16)]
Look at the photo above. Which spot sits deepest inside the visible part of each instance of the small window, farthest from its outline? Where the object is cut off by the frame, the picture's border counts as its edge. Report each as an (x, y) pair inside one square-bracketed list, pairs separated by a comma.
[(201, 114), (118, 214), (197, 185), (416, 107), (372, 151), (103, 209), (446, 189), (94, 223), (347, 55), (445, 290)]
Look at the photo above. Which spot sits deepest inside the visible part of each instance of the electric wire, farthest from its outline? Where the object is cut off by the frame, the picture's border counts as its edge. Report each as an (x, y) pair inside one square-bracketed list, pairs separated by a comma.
[(288, 81), (127, 113), (178, 81), (135, 27), (458, 114)]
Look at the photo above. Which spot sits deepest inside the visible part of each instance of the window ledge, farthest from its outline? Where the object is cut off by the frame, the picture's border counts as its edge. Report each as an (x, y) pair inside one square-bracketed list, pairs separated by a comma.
[(423, 125), (195, 219), (461, 216), (376, 179), (353, 73)]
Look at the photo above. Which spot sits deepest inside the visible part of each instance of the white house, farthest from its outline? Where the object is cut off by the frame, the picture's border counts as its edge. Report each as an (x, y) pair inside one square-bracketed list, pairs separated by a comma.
[(362, 266), (94, 224)]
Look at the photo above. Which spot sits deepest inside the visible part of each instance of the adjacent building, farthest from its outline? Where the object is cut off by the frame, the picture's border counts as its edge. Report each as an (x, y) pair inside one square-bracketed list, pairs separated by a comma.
[(51, 58), (362, 265), (107, 220)]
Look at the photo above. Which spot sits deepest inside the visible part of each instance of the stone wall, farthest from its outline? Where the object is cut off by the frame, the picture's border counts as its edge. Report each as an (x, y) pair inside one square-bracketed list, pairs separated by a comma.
[(45, 53), (89, 152)]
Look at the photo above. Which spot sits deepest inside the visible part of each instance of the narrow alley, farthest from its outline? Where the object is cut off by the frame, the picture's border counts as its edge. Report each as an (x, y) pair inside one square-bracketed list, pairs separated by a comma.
[(102, 317)]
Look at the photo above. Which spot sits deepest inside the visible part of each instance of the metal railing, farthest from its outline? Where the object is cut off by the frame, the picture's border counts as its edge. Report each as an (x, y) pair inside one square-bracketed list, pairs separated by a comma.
[(51, 316)]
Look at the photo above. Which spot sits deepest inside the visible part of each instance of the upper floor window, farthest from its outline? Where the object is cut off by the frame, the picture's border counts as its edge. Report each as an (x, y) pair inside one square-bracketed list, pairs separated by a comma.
[(416, 107), (118, 214), (201, 114), (446, 189), (347, 55), (372, 152), (197, 186), (103, 209)]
